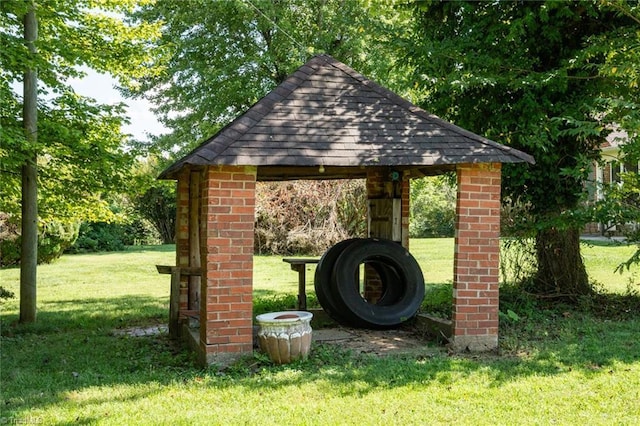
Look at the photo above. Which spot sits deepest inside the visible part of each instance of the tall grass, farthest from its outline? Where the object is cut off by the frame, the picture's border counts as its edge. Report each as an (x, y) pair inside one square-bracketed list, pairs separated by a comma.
[(557, 364)]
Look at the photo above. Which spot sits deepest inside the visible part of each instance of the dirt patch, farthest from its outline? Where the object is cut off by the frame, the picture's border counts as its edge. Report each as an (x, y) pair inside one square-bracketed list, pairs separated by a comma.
[(145, 331), (359, 341), (375, 342)]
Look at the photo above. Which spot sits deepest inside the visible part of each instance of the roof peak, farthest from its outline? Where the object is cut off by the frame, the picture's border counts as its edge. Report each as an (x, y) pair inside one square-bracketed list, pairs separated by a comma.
[(326, 113)]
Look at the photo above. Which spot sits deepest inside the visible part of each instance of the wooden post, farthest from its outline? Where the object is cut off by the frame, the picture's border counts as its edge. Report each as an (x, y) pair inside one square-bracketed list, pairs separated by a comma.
[(177, 273), (29, 244), (194, 239), (174, 303)]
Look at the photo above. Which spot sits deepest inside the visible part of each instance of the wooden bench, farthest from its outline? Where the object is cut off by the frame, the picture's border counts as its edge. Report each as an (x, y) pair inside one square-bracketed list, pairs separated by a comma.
[(300, 265), (177, 272)]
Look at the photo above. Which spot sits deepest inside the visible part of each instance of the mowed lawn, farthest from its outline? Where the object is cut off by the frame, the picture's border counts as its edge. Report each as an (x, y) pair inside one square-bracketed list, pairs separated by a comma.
[(556, 364)]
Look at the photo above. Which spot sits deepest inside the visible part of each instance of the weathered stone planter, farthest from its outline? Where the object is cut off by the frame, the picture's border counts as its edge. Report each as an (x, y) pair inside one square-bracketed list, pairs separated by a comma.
[(285, 336)]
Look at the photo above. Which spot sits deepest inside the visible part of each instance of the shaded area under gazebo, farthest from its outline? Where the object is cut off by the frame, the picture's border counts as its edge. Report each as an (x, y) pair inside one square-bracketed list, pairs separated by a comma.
[(326, 121)]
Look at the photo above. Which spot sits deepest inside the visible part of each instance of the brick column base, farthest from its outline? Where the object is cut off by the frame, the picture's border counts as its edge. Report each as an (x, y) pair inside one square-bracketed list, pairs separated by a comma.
[(226, 235), (476, 259)]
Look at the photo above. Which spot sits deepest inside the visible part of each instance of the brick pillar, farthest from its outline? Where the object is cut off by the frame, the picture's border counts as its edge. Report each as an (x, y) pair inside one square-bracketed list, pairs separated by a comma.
[(375, 183), (226, 307), (477, 257), (182, 231)]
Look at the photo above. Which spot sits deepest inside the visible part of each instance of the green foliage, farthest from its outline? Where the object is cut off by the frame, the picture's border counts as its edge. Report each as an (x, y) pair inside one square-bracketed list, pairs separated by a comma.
[(274, 303), (438, 300), (552, 357), (535, 76), (518, 262), (99, 236), (6, 294), (219, 58), (127, 229), (80, 148), (509, 71), (433, 207), (621, 207), (158, 205), (53, 239)]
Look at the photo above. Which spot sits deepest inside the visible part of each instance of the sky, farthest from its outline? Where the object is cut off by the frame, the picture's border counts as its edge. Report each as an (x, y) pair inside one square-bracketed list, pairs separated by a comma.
[(102, 88)]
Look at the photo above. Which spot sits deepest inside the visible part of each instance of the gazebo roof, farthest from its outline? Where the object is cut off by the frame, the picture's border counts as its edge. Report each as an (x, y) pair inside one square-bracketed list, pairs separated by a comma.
[(327, 114)]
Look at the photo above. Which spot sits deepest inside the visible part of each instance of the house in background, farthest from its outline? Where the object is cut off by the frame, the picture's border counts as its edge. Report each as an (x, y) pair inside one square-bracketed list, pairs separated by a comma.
[(607, 172)]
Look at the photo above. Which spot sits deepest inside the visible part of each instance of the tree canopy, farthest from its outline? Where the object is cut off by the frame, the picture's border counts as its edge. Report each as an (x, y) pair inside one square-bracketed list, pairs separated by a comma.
[(543, 77), (80, 147), (67, 148), (219, 58)]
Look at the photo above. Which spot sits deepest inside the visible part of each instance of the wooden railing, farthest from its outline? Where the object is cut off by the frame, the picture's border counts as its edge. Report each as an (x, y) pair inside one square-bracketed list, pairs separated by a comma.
[(177, 272)]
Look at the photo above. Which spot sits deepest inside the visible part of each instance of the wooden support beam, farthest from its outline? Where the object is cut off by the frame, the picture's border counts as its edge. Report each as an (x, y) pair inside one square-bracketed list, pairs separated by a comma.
[(177, 273), (194, 239)]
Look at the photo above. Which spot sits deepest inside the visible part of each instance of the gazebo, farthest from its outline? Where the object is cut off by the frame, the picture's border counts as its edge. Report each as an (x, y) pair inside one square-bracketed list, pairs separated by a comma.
[(327, 121)]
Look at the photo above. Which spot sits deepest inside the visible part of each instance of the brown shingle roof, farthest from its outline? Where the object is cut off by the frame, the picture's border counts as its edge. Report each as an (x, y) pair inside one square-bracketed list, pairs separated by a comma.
[(327, 114)]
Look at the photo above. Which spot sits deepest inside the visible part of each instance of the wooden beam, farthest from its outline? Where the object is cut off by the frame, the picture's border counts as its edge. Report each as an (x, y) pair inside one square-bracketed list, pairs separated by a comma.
[(194, 239)]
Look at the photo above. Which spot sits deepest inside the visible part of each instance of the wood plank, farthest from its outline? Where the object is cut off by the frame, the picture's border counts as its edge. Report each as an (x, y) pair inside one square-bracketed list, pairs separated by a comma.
[(300, 261), (184, 270), (194, 240), (174, 303)]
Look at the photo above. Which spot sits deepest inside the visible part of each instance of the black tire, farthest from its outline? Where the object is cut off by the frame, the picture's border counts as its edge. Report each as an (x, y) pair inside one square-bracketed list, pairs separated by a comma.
[(322, 281), (400, 307), (392, 285)]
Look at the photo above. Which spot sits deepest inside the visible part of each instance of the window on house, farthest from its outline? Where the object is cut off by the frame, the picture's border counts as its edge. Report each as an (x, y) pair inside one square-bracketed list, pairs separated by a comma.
[(616, 168), (615, 172), (631, 167)]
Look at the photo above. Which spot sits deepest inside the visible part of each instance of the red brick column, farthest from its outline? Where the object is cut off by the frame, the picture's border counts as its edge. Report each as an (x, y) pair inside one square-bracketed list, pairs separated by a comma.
[(228, 209), (375, 183), (477, 257)]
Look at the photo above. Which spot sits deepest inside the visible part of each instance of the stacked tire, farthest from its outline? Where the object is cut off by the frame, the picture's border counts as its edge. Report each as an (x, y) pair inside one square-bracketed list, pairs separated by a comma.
[(338, 291)]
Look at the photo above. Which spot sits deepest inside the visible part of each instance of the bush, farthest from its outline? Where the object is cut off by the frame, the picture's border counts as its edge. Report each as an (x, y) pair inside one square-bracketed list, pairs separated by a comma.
[(438, 300), (433, 207), (99, 236), (102, 236), (54, 238), (6, 294), (158, 206)]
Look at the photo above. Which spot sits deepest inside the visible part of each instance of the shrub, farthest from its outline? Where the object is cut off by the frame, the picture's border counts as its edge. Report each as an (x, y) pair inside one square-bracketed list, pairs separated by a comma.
[(103, 236), (56, 238), (433, 207), (438, 300), (6, 294), (158, 206), (53, 239)]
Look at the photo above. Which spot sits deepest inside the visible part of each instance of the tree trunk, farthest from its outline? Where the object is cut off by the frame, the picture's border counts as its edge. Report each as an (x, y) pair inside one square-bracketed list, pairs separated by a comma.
[(29, 247), (561, 271)]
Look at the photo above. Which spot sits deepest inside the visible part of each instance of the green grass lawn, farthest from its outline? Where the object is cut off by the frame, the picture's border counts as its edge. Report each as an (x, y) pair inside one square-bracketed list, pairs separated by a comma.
[(557, 364)]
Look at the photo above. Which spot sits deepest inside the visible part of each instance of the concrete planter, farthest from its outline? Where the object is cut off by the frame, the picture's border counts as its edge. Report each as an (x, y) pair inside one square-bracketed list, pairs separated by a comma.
[(285, 336)]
